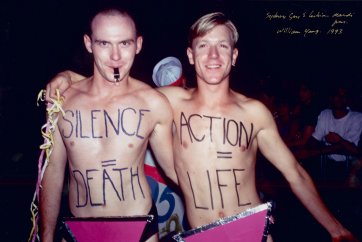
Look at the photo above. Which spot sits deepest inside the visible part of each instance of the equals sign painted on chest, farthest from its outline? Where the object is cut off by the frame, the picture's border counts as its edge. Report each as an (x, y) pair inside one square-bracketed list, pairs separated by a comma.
[(224, 155), (106, 163)]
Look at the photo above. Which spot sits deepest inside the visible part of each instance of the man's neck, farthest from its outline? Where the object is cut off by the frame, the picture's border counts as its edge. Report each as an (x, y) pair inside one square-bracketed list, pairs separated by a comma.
[(340, 113), (104, 87), (212, 95)]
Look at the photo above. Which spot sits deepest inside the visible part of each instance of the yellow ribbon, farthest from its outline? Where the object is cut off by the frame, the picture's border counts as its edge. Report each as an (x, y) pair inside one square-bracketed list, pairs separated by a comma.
[(47, 130)]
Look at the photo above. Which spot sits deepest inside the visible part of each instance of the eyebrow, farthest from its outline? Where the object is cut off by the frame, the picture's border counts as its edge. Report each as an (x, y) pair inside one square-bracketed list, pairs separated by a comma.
[(218, 42), (126, 40), (207, 40)]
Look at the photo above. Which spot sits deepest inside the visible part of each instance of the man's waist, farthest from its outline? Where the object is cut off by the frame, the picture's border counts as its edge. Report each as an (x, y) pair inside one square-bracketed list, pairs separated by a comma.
[(113, 209)]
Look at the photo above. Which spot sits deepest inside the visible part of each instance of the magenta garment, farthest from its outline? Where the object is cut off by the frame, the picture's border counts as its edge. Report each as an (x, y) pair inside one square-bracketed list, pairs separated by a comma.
[(107, 229), (248, 226)]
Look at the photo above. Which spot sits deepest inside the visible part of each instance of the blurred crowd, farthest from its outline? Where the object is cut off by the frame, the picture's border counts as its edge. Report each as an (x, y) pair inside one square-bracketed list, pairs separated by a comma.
[(322, 125)]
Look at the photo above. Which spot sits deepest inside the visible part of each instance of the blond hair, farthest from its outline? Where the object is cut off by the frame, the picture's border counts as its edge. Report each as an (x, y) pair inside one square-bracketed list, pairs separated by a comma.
[(209, 21)]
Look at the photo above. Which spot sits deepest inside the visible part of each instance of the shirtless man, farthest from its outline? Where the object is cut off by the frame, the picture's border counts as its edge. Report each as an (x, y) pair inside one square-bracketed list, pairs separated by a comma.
[(109, 119), (218, 132)]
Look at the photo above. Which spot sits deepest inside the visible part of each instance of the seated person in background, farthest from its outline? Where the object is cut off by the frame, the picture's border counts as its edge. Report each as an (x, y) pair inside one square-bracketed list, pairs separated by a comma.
[(337, 134), (306, 111), (285, 119)]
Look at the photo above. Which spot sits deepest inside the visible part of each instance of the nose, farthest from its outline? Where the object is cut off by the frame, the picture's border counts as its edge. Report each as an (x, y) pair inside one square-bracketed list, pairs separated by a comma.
[(116, 54), (213, 52)]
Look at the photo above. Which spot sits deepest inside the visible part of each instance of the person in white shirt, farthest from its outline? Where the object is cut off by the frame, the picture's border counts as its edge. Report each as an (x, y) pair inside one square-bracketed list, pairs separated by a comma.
[(339, 130)]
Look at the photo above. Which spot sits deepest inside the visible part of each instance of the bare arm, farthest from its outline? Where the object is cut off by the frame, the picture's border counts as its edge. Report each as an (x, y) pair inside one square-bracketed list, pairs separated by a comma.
[(338, 145), (341, 145), (274, 149), (51, 191), (62, 81), (161, 139)]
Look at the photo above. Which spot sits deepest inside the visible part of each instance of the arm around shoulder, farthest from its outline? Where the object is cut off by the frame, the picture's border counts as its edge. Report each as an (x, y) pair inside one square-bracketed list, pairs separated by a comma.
[(62, 81)]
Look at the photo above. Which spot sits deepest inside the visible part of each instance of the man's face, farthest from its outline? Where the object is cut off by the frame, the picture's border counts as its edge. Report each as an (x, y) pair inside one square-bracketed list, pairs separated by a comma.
[(305, 94), (339, 99), (213, 55), (114, 45)]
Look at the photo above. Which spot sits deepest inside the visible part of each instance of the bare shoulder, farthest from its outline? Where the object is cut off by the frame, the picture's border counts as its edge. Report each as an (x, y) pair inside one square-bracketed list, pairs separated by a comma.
[(77, 89), (173, 93), (248, 102), (148, 94), (254, 108)]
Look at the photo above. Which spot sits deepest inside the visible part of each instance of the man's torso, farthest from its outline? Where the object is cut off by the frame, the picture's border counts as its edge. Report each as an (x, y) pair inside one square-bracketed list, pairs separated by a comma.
[(106, 139), (215, 153)]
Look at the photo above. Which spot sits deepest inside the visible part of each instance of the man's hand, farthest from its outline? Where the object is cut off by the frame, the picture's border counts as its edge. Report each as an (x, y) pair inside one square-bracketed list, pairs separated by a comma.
[(62, 81), (350, 238), (344, 236), (333, 138)]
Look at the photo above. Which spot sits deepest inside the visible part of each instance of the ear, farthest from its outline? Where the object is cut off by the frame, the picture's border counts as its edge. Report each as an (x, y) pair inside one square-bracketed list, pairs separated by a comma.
[(87, 43), (235, 56), (139, 42), (190, 55)]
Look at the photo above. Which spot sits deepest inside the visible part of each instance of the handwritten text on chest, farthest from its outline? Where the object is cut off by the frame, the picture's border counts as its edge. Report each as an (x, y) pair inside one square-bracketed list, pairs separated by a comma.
[(102, 123), (234, 133)]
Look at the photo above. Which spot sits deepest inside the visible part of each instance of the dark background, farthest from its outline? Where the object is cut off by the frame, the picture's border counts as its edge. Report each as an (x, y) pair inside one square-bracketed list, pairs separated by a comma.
[(41, 38)]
